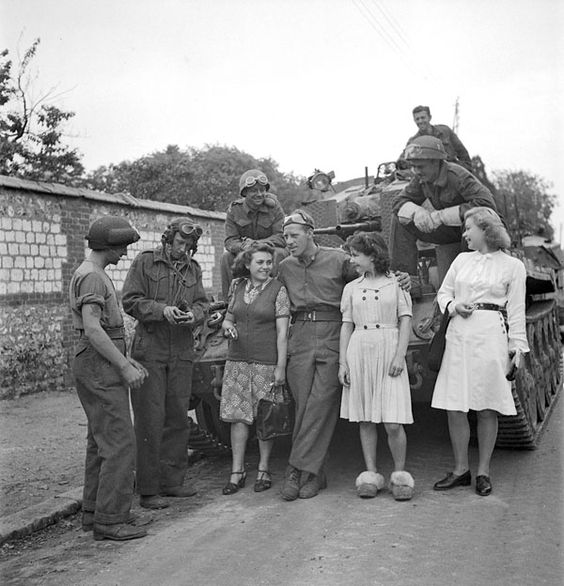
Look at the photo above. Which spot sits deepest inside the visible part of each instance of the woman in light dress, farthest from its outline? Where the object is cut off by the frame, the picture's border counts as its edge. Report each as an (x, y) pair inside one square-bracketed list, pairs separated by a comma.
[(374, 338), (484, 291)]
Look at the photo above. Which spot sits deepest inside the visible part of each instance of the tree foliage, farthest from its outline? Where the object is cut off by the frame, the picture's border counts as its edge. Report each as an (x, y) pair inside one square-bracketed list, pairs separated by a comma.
[(525, 201), (31, 130), (206, 178)]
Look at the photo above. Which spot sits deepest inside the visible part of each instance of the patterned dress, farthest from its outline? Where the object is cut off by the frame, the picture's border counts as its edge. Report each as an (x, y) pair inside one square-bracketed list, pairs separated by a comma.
[(374, 306), (246, 383)]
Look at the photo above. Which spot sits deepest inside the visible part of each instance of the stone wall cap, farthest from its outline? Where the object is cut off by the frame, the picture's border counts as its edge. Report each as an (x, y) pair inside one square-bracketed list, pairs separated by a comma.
[(117, 198)]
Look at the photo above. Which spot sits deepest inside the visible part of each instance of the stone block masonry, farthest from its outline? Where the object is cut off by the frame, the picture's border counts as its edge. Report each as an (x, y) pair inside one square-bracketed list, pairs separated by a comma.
[(42, 229)]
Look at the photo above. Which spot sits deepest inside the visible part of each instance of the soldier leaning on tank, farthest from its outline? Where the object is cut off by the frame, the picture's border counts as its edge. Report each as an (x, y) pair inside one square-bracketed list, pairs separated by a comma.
[(103, 375), (163, 291), (431, 207), (314, 277), (256, 216), (456, 152)]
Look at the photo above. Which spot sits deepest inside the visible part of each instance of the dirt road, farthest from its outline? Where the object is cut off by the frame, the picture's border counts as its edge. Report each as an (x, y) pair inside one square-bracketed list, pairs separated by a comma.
[(511, 537)]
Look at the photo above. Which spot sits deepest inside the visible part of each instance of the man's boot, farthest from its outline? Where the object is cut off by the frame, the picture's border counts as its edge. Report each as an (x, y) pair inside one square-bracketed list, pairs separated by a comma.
[(313, 485), (291, 487)]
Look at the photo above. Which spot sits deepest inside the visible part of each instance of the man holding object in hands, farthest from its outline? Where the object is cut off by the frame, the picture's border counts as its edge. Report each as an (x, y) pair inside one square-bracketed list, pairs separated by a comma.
[(164, 292)]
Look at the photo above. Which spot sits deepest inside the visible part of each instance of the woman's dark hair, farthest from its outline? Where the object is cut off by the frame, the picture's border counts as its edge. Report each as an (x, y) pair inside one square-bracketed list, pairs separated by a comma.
[(245, 257), (495, 233), (373, 245)]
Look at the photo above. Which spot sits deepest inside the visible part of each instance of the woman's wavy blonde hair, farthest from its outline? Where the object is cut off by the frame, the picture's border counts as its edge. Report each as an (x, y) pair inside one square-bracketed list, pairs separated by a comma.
[(490, 223)]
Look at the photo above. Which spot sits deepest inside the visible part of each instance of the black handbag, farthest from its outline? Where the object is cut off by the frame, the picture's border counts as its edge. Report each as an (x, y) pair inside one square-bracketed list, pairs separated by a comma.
[(437, 344), (275, 414)]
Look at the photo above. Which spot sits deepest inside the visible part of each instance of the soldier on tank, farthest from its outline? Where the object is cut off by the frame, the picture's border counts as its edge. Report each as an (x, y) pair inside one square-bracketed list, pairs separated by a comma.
[(456, 152), (163, 291), (104, 376), (256, 216), (431, 207)]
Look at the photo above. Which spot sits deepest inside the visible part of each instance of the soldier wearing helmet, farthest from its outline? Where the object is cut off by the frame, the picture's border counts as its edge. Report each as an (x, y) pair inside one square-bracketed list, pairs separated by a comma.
[(256, 216), (455, 151), (104, 376), (431, 207), (163, 291)]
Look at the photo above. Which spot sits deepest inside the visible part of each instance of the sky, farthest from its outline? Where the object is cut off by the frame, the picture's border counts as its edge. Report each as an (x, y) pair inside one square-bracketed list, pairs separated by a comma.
[(326, 84)]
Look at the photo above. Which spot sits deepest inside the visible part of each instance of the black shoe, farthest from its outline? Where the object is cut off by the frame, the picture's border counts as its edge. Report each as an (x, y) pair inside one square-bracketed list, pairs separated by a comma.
[(183, 491), (451, 480), (117, 532), (483, 485), (263, 481), (231, 487)]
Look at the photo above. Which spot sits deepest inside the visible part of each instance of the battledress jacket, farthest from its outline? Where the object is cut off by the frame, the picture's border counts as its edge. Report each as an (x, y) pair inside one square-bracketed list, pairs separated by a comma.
[(153, 283), (455, 186), (265, 223)]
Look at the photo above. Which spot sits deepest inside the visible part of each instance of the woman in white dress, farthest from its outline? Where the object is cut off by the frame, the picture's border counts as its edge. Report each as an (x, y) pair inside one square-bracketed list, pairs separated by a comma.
[(484, 291)]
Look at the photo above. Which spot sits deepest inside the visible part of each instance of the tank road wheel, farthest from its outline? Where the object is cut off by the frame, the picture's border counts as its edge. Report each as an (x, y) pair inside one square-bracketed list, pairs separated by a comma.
[(207, 413), (537, 383)]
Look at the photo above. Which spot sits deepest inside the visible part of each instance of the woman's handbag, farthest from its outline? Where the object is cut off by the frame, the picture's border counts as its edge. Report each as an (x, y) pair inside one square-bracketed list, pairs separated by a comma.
[(437, 344), (275, 414)]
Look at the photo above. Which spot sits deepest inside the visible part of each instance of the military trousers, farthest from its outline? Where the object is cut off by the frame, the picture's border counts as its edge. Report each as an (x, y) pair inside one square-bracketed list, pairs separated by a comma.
[(110, 443), (403, 243), (313, 378), (160, 410)]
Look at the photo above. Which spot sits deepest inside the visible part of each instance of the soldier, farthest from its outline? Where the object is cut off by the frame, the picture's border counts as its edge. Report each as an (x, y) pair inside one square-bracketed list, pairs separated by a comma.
[(164, 292), (256, 216), (456, 152), (103, 377), (432, 206)]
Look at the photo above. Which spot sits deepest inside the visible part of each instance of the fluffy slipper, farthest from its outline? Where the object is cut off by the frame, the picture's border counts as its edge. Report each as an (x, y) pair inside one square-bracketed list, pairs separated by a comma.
[(401, 485), (368, 484)]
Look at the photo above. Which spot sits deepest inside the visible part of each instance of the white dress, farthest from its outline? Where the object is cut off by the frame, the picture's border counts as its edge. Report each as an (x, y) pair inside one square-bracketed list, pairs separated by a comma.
[(472, 374), (374, 306)]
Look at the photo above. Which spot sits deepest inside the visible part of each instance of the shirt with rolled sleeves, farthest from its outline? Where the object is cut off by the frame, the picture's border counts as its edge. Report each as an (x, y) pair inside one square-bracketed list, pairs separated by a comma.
[(153, 283), (455, 186), (264, 223), (316, 283)]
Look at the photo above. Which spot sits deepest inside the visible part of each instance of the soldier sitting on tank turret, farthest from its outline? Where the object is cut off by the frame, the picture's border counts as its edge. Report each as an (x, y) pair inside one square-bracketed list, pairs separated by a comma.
[(432, 206), (256, 216), (456, 152)]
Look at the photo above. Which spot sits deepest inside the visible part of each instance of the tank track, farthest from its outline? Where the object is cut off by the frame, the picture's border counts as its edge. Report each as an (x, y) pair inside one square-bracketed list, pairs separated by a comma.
[(204, 442), (538, 383)]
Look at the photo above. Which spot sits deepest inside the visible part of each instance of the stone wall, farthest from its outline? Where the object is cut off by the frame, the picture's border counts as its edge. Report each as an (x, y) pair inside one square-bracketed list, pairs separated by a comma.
[(42, 228)]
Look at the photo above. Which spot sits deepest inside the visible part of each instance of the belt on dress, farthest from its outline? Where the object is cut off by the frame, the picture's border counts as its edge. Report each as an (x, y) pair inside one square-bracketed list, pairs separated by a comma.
[(489, 307), (315, 315), (377, 326)]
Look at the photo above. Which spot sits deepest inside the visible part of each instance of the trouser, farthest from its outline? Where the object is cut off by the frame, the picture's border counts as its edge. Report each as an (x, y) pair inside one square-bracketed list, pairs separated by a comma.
[(403, 243), (227, 262), (160, 409), (312, 374), (110, 448)]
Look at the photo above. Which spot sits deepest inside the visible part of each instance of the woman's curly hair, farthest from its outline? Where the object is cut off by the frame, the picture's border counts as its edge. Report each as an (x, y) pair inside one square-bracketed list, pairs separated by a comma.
[(495, 233), (373, 245), (245, 257)]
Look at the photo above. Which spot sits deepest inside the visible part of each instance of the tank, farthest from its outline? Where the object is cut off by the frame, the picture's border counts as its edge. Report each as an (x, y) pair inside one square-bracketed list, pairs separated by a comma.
[(538, 382), (368, 206)]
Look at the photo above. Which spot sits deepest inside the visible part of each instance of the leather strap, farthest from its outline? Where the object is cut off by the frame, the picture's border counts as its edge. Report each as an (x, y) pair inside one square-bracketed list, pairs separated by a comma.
[(314, 315)]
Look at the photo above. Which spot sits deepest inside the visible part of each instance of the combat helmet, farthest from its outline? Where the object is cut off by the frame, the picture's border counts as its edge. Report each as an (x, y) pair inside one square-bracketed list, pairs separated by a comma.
[(425, 147), (111, 232), (252, 177)]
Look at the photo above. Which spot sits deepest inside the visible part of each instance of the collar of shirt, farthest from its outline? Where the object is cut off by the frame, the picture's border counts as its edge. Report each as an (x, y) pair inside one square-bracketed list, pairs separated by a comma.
[(249, 285), (307, 260), (160, 256), (442, 179)]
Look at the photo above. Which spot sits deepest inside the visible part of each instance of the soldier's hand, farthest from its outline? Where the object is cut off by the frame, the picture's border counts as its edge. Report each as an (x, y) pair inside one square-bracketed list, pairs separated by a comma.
[(132, 376), (404, 280), (423, 221), (139, 366), (172, 314)]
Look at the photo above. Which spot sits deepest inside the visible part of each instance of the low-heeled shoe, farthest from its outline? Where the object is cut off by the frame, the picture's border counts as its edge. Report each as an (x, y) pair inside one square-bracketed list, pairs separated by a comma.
[(153, 502), (451, 480), (185, 491), (118, 532), (483, 485)]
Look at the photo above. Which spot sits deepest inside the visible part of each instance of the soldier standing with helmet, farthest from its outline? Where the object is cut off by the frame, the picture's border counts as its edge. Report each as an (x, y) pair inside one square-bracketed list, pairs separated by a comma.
[(431, 207), (255, 217), (103, 377), (164, 292)]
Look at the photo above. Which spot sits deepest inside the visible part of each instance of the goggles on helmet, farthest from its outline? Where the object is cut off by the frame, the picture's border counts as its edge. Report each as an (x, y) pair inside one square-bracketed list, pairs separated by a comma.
[(187, 229), (251, 180), (299, 217)]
